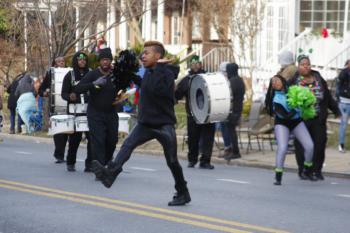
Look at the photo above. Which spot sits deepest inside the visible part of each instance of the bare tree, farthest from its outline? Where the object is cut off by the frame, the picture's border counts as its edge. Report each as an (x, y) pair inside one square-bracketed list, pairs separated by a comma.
[(246, 20), (10, 52)]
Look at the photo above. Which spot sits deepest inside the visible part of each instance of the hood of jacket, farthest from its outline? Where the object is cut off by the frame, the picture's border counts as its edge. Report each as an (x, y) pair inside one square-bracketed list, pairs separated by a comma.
[(232, 70)]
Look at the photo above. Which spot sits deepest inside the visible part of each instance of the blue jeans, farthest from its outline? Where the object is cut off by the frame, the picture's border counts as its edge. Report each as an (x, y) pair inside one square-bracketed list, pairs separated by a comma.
[(345, 111), (226, 135), (13, 120)]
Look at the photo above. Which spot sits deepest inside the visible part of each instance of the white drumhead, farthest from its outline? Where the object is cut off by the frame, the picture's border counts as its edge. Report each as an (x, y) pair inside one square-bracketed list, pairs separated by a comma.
[(61, 124), (123, 122), (210, 98), (61, 117)]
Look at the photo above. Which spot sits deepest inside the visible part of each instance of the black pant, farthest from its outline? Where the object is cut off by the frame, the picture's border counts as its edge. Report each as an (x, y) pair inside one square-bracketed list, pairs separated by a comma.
[(318, 133), (60, 141), (231, 127), (74, 142), (103, 129), (166, 136), (195, 133)]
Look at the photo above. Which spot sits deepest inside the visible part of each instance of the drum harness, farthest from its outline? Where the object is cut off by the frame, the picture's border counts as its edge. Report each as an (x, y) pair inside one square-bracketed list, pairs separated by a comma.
[(82, 100)]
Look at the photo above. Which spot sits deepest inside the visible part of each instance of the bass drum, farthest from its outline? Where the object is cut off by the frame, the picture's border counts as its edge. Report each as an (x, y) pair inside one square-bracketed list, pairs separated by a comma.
[(210, 98)]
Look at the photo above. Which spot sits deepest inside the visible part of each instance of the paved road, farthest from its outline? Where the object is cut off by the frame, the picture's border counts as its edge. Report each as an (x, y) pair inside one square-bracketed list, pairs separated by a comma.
[(39, 196)]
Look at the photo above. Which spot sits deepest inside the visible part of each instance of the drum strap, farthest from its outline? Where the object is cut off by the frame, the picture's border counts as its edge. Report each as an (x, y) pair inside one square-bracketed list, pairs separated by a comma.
[(74, 83)]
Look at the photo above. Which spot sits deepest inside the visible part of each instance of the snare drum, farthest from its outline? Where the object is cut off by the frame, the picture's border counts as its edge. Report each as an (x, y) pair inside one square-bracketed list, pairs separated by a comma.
[(61, 124), (77, 108), (210, 98), (123, 122), (81, 124)]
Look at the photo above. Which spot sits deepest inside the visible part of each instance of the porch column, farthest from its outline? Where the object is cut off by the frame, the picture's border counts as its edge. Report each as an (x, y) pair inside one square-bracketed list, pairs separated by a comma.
[(148, 20), (123, 37), (77, 29), (160, 21), (112, 31)]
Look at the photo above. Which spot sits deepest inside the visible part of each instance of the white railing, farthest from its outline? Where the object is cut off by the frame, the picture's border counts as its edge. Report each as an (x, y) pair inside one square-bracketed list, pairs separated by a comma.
[(332, 68), (293, 46), (211, 60)]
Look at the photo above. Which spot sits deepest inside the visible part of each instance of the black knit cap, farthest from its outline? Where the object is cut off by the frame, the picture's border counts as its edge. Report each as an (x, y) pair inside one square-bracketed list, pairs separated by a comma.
[(105, 53)]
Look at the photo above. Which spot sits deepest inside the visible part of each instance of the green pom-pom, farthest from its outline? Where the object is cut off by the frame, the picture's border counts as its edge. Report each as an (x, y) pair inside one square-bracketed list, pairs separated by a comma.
[(303, 99), (308, 113)]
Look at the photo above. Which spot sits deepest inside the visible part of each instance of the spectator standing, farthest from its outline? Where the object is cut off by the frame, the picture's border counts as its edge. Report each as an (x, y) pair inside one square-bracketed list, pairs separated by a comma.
[(12, 105), (316, 126), (343, 92), (238, 91)]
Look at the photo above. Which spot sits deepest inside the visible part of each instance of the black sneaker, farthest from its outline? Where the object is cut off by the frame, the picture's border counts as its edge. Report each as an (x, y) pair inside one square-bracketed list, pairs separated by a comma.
[(206, 166), (180, 199), (110, 176), (191, 164), (319, 175), (71, 168), (98, 169), (60, 161), (87, 169), (232, 156)]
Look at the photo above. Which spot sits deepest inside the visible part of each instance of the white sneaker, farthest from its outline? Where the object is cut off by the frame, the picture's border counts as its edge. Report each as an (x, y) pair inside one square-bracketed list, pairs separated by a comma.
[(341, 148)]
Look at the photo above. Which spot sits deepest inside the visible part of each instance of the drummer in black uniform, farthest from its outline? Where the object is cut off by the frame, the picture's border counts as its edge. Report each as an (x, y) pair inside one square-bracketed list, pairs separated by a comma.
[(72, 78), (102, 115), (200, 136), (60, 139)]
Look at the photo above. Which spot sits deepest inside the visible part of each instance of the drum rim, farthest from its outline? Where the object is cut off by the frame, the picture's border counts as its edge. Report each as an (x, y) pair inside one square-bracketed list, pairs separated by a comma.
[(209, 106)]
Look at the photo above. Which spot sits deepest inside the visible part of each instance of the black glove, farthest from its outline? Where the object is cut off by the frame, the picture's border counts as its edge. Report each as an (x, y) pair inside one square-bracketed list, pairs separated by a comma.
[(100, 82)]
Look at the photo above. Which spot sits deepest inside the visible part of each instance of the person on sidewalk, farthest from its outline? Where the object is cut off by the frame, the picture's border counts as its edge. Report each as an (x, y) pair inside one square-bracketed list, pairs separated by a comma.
[(196, 132), (225, 132), (316, 126), (156, 120), (287, 121), (238, 91), (12, 105), (26, 103), (72, 78), (60, 140), (343, 90)]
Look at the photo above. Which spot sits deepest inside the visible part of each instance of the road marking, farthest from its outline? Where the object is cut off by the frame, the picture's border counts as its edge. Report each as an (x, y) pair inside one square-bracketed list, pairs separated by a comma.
[(23, 152), (143, 169), (234, 181), (344, 195), (115, 204), (334, 183), (128, 210)]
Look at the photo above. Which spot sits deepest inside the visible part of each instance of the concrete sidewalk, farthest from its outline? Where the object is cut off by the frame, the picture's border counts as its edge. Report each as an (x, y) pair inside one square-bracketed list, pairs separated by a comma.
[(336, 165)]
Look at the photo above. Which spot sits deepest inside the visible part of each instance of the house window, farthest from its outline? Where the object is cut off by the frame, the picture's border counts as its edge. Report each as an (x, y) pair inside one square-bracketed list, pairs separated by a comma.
[(318, 14), (175, 26)]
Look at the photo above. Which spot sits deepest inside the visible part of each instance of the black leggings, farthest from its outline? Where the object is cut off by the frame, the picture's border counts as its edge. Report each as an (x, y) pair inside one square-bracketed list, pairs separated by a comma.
[(166, 136)]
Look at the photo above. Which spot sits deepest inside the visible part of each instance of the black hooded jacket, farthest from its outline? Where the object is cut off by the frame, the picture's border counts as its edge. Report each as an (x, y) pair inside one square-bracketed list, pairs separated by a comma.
[(72, 78), (237, 89), (12, 100)]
